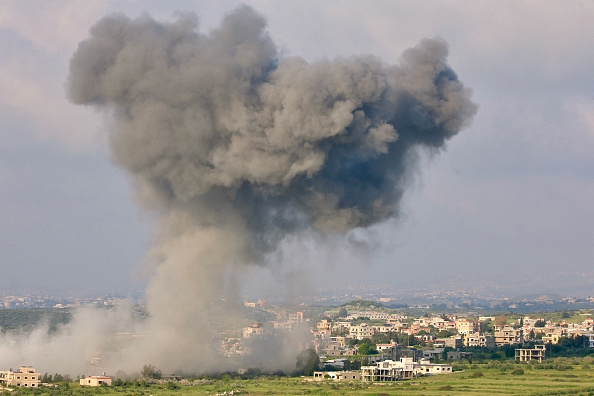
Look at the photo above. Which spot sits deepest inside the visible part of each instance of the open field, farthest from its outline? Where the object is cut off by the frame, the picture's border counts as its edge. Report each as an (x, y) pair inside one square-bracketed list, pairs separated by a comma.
[(478, 380)]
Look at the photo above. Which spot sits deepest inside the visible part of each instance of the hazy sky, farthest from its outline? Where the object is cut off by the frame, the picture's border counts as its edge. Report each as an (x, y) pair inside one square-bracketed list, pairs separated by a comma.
[(510, 199)]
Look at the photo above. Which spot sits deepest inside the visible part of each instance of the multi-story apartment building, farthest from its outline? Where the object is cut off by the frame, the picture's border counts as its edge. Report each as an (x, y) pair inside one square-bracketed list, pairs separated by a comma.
[(388, 370), (508, 335), (537, 353), (479, 340), (25, 376), (467, 326), (361, 331)]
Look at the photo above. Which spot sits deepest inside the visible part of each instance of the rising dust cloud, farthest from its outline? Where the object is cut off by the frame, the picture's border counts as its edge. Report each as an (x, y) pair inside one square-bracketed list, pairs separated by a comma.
[(236, 148)]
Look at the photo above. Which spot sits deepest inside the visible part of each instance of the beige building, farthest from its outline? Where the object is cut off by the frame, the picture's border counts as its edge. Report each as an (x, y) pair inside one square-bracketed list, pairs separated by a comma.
[(324, 324), (337, 376), (479, 340), (552, 338), (467, 326), (526, 355), (25, 376), (361, 331), (451, 342), (508, 335), (95, 380), (252, 330)]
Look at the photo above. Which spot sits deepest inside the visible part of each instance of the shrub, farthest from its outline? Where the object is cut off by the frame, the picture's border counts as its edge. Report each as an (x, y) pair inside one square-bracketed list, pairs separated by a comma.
[(477, 374), (518, 372), (172, 385)]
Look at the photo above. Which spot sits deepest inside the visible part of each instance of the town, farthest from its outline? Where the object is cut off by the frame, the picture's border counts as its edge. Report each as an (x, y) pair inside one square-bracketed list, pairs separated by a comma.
[(364, 341), (384, 346)]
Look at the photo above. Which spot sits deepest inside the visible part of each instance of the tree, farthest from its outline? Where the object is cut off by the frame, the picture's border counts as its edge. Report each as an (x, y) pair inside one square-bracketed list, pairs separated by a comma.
[(363, 349), (367, 349), (444, 334), (342, 312), (149, 371), (307, 362), (501, 320), (343, 331), (539, 323), (486, 327), (411, 340)]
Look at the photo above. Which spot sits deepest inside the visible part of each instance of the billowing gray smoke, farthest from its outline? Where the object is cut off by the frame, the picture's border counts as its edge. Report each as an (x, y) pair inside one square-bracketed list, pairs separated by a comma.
[(236, 147)]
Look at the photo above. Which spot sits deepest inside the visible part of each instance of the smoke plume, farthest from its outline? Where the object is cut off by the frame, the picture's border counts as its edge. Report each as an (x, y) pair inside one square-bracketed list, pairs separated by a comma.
[(236, 148)]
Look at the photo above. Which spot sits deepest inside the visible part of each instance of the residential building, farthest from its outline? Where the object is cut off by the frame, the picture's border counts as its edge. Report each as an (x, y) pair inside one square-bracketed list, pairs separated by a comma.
[(339, 340), (252, 330), (337, 375), (508, 335), (335, 350), (297, 317), (479, 340), (537, 353), (451, 342), (552, 338), (95, 380), (425, 367), (286, 326), (433, 353), (324, 324), (457, 356), (388, 351), (362, 331), (25, 376), (388, 370), (467, 326)]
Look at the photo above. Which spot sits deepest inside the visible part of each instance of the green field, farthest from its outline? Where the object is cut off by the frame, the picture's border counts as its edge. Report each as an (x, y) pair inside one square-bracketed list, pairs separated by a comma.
[(481, 379)]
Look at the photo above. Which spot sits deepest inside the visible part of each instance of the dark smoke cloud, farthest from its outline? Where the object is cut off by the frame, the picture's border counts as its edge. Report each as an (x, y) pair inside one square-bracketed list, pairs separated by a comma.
[(221, 117), (237, 147)]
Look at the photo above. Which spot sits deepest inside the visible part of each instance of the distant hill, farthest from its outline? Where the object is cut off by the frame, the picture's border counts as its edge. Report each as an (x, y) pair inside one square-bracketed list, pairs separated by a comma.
[(539, 297)]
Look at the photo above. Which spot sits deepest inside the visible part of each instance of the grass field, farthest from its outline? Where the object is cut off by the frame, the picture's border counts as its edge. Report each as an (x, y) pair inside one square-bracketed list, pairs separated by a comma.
[(478, 380)]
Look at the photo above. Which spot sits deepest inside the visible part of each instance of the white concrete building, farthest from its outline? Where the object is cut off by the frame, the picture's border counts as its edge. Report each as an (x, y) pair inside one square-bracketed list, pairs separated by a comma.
[(388, 370), (425, 367)]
